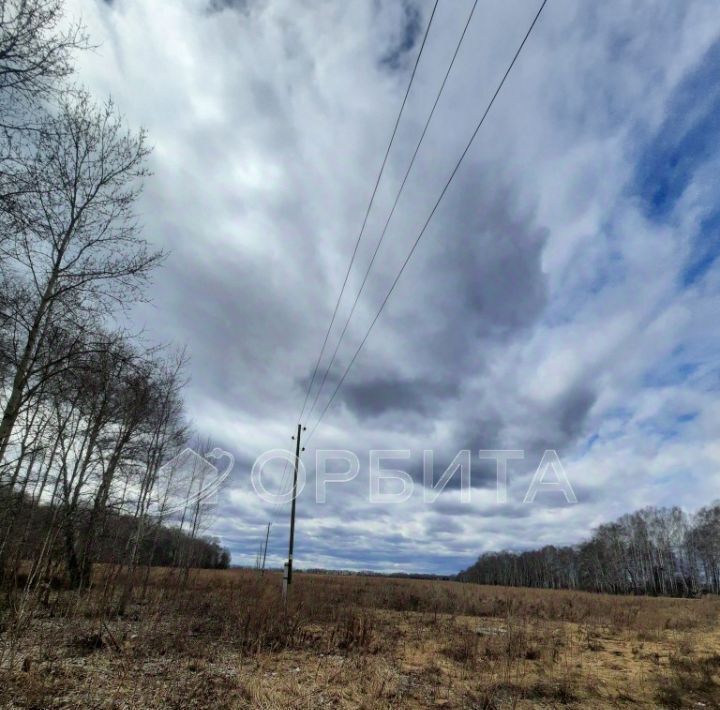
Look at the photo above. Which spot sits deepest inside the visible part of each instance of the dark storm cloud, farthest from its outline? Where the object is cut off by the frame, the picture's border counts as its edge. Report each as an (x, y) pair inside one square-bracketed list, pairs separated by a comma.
[(220, 5), (443, 525), (221, 302), (375, 397), (560, 426), (490, 255), (407, 36), (483, 471), (480, 279), (480, 284), (459, 510), (481, 427), (573, 410)]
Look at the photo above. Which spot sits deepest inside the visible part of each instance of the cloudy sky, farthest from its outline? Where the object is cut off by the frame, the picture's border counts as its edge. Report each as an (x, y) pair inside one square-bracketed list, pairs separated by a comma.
[(565, 295)]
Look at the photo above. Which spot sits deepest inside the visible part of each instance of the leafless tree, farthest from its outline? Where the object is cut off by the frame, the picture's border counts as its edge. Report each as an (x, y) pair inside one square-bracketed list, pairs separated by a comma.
[(36, 48), (90, 416), (76, 246), (658, 551)]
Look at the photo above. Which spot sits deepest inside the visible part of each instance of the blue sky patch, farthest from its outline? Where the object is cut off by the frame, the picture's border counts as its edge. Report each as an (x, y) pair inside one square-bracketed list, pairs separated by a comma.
[(706, 249), (687, 138), (669, 373)]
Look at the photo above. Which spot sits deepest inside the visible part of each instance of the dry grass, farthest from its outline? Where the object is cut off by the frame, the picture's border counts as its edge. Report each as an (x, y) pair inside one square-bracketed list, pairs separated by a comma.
[(355, 642)]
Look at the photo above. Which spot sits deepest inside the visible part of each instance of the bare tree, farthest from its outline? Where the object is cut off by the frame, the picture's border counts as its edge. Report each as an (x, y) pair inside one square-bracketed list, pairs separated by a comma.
[(88, 416), (36, 48), (658, 551), (76, 246)]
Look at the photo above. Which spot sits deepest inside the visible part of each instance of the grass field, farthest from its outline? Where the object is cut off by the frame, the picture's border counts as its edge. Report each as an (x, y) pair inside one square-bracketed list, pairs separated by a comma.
[(223, 640)]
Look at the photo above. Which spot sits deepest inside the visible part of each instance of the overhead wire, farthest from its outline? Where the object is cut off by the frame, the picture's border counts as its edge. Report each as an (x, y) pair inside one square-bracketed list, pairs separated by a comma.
[(362, 231), (430, 216), (369, 207), (394, 207)]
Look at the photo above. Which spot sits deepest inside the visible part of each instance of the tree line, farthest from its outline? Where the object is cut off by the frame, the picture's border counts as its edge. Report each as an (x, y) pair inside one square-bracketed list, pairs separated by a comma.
[(167, 546), (654, 551), (90, 413)]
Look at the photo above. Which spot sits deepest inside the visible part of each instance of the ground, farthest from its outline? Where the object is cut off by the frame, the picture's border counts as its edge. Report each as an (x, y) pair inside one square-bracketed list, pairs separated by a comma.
[(222, 640)]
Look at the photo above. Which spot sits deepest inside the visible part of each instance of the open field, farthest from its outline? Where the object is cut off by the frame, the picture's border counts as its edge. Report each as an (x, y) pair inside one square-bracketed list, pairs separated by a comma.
[(358, 642)]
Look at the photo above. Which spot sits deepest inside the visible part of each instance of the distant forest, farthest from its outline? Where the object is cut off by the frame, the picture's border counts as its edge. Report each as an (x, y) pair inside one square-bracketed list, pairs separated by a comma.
[(114, 538), (654, 551)]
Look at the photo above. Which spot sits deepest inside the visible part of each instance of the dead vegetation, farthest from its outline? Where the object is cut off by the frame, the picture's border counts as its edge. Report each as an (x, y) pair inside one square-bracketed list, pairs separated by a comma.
[(224, 640)]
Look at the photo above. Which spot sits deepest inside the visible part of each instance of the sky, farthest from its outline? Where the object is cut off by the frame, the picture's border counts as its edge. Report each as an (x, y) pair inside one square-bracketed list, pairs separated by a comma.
[(564, 296)]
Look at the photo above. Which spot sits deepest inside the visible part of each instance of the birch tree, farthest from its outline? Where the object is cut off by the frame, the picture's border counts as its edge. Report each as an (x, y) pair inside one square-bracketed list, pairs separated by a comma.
[(76, 247)]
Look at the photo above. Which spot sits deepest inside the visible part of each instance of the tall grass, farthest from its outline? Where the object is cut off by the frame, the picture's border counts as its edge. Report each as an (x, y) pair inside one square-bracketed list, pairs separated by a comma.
[(353, 637)]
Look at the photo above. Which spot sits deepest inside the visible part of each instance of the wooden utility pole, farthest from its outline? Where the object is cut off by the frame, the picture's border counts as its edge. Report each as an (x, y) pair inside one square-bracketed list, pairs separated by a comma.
[(264, 557), (287, 575)]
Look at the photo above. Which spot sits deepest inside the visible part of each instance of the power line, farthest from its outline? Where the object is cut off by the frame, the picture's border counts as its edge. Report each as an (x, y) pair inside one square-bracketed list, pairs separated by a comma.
[(430, 216), (362, 231), (394, 207), (369, 208)]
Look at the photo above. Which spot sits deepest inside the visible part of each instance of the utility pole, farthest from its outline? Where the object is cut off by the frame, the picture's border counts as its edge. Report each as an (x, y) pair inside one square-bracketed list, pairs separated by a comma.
[(267, 537), (287, 574)]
